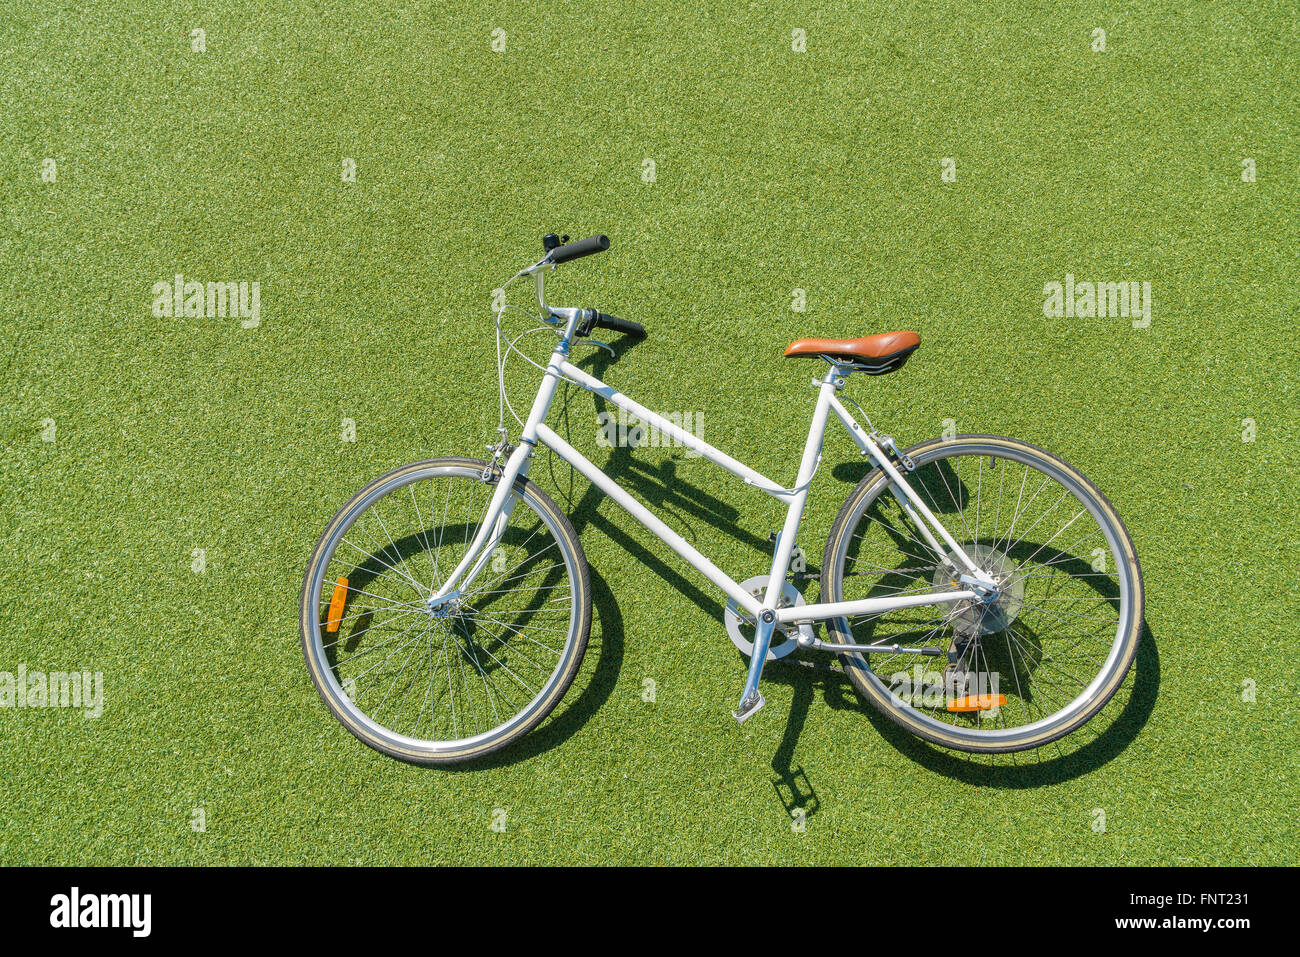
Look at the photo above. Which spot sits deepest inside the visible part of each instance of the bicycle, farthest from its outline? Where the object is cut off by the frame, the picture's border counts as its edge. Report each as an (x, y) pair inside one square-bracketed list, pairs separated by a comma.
[(447, 606)]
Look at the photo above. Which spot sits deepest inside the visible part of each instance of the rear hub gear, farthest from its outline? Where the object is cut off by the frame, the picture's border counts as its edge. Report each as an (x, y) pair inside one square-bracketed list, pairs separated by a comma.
[(974, 619)]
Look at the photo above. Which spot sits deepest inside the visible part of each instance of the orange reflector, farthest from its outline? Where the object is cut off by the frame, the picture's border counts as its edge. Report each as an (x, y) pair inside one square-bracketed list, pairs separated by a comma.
[(337, 601), (977, 702)]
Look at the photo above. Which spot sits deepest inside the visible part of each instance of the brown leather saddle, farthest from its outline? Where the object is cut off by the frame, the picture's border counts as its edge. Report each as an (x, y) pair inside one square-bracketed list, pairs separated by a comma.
[(874, 355)]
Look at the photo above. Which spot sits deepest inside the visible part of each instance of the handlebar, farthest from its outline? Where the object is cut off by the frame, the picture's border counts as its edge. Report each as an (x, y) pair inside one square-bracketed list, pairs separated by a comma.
[(595, 319), (578, 248), (589, 318)]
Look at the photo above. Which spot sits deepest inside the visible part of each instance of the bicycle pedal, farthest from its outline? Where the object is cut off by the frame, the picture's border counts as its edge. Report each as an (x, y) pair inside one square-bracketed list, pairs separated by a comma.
[(337, 600), (748, 707), (977, 702)]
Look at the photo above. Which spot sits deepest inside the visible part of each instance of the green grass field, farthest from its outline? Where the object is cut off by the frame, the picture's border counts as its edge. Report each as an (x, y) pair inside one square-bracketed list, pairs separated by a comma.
[(130, 440)]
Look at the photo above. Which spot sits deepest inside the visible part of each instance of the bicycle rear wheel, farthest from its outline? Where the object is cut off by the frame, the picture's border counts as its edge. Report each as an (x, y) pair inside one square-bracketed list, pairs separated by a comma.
[(440, 685), (1047, 654)]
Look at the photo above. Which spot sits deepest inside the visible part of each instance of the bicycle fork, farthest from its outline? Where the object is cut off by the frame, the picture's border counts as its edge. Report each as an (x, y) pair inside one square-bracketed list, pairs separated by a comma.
[(490, 532), (497, 514)]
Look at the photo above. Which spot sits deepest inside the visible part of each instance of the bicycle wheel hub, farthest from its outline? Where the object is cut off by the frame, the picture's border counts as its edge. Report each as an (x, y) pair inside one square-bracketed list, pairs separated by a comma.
[(448, 606), (979, 617)]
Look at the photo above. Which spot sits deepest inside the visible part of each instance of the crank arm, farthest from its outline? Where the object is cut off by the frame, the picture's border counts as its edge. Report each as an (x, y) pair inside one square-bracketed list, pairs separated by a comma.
[(751, 699)]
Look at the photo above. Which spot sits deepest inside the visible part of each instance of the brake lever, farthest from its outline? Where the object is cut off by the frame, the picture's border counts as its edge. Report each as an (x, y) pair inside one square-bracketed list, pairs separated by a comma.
[(596, 342)]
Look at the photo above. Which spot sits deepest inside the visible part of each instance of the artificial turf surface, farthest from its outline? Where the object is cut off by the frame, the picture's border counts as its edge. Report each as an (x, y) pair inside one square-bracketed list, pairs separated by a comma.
[(774, 170)]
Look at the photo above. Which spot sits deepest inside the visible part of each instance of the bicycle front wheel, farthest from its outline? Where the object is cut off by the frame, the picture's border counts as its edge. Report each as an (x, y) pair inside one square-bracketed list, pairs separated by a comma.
[(1039, 660), (443, 683)]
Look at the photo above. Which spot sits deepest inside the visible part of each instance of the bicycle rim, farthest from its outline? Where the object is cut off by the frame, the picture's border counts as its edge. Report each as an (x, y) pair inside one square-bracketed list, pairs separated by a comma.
[(1042, 659), (455, 682)]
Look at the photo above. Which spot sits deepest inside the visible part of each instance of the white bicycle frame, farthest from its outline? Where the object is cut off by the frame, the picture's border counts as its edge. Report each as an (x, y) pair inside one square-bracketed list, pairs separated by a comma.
[(766, 612)]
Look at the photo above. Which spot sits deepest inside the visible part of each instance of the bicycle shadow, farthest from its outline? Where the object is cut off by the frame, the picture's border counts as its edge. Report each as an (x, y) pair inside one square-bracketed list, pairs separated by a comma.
[(584, 513), (1102, 739), (1074, 756), (664, 491), (575, 710), (661, 489)]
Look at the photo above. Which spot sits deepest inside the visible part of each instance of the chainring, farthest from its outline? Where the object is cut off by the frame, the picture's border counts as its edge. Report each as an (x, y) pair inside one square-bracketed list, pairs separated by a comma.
[(785, 638)]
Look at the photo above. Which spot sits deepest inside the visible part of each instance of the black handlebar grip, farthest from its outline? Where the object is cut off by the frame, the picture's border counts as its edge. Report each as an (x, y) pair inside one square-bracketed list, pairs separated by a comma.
[(579, 248), (625, 326)]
